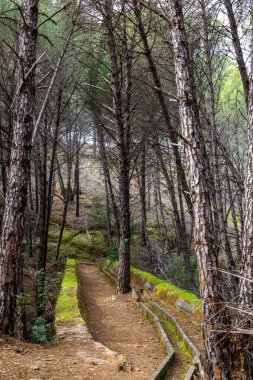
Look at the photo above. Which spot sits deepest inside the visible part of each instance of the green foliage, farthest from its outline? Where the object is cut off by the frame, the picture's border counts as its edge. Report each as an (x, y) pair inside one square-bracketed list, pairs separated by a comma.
[(112, 253), (98, 241), (51, 249), (231, 94), (178, 273), (23, 301), (39, 331), (152, 233)]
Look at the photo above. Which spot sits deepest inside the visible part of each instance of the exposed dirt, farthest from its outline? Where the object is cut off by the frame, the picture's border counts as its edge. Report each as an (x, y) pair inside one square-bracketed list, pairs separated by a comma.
[(73, 357), (117, 323)]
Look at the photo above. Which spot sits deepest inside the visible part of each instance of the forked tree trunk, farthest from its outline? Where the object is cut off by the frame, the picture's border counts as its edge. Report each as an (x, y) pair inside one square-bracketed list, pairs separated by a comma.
[(11, 261)]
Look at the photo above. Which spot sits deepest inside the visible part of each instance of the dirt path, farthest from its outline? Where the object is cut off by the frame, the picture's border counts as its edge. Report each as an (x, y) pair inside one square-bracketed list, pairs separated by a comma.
[(118, 324)]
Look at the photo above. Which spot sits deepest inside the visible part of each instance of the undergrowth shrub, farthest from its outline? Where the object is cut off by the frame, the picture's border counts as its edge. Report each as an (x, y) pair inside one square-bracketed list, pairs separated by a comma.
[(39, 331), (112, 253)]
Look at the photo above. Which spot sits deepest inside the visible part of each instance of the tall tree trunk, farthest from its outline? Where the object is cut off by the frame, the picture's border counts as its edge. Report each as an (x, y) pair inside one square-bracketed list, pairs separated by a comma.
[(108, 213), (210, 278), (64, 215), (221, 220), (122, 124), (104, 161), (77, 180), (3, 164), (234, 217), (244, 319), (11, 261), (142, 191)]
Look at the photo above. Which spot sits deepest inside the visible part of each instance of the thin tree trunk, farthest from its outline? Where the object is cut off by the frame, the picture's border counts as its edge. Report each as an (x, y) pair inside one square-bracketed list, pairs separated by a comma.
[(77, 181), (234, 217), (142, 191), (108, 213), (107, 174), (164, 108), (221, 219), (238, 49), (64, 216)]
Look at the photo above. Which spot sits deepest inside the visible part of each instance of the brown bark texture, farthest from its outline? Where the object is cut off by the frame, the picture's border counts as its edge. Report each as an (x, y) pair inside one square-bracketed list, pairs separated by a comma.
[(16, 197)]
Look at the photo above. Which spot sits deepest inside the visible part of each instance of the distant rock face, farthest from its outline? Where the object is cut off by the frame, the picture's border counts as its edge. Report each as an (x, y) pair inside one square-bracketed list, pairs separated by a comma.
[(185, 306)]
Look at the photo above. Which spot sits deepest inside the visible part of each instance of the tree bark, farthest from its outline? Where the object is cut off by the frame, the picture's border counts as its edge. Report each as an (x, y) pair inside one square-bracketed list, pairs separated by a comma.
[(210, 278), (122, 125), (11, 261)]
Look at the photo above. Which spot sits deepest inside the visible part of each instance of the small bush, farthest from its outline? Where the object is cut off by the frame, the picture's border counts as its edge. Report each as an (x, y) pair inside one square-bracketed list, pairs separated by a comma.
[(112, 254), (39, 331), (69, 250)]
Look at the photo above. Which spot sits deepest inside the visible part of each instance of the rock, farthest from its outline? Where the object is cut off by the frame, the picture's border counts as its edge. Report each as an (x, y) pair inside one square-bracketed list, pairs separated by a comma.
[(18, 350), (148, 285), (124, 364), (135, 296), (91, 360), (35, 367), (185, 306)]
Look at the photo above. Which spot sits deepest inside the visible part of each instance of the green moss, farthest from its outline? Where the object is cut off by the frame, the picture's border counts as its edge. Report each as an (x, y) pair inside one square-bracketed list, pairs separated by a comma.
[(82, 243), (53, 235), (67, 310), (98, 240), (87, 245), (53, 222), (162, 287), (166, 287)]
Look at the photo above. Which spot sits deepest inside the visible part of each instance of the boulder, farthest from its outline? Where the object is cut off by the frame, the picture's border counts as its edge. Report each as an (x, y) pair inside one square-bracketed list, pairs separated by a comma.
[(185, 306)]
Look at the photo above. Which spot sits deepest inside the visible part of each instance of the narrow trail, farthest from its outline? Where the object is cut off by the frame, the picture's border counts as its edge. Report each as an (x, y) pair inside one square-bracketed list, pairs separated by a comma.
[(118, 324)]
